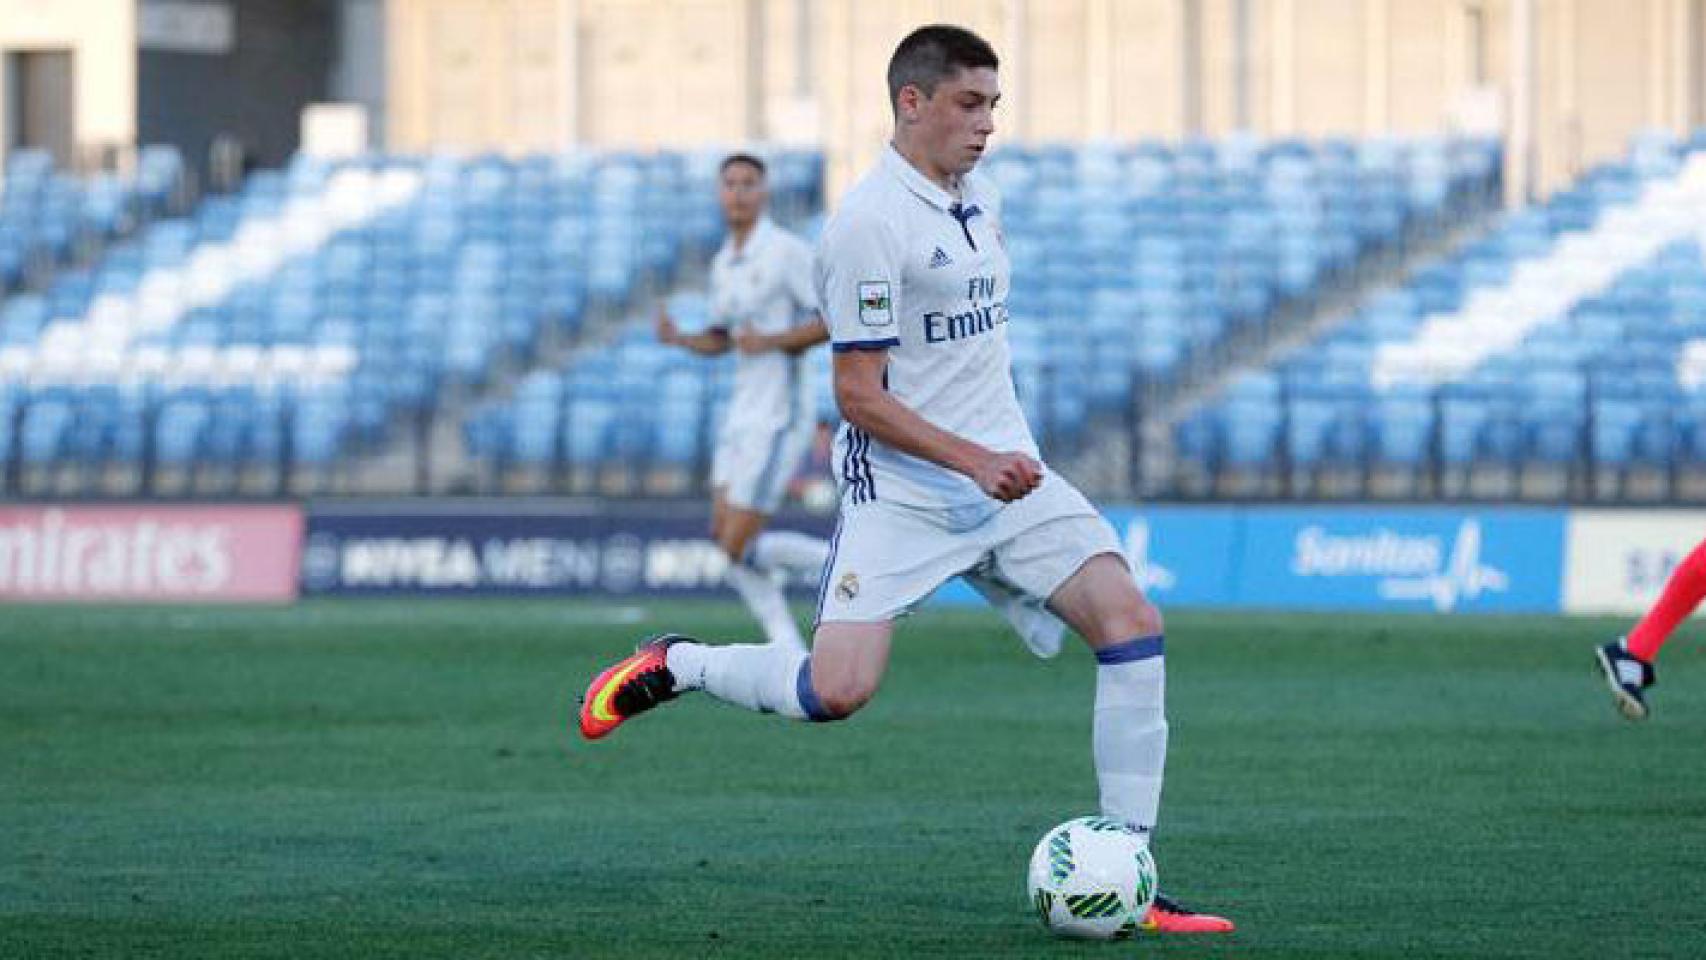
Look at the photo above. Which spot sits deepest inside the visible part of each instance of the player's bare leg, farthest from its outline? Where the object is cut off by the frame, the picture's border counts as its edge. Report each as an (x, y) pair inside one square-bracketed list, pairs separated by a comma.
[(1129, 734), (848, 662)]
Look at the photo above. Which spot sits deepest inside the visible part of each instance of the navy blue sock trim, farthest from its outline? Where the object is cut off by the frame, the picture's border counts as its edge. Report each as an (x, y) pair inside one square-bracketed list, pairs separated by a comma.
[(1142, 648), (809, 702)]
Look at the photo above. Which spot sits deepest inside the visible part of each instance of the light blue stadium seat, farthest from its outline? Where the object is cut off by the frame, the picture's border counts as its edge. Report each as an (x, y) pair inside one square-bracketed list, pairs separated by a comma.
[(586, 428), (1309, 420), (179, 425), (535, 429), (230, 428), (46, 425), (1199, 240), (316, 436), (1250, 429), (678, 434), (272, 410), (1628, 431), (1401, 425)]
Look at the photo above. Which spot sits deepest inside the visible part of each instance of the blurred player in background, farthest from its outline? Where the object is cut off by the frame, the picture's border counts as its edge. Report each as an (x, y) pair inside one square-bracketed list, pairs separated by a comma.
[(763, 307), (938, 470), (1627, 662)]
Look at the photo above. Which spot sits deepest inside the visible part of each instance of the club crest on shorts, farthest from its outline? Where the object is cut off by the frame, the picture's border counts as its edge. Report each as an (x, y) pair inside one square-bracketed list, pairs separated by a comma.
[(847, 588)]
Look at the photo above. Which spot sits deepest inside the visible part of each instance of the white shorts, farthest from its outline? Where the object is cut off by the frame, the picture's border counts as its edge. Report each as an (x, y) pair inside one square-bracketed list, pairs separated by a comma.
[(753, 466), (886, 558)]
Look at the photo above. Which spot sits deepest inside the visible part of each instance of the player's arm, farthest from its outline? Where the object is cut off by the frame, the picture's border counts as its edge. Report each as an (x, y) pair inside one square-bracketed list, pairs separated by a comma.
[(795, 339), (859, 273), (867, 404), (797, 286), (711, 343)]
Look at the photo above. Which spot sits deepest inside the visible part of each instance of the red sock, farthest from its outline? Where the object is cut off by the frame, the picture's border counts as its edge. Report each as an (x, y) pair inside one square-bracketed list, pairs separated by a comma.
[(1683, 592)]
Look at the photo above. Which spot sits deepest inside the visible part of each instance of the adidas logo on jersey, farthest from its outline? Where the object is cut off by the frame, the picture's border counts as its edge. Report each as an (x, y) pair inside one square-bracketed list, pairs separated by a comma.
[(940, 259)]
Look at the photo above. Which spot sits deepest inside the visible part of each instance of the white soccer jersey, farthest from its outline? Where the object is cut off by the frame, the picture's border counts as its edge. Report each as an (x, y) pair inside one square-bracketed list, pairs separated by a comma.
[(903, 265), (766, 287)]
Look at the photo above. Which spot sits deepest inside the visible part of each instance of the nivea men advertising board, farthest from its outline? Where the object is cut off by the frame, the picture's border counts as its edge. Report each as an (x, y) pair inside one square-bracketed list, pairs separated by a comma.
[(492, 547)]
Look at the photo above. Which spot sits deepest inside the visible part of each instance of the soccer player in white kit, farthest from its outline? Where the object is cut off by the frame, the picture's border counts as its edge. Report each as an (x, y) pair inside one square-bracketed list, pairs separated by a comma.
[(764, 307), (937, 468)]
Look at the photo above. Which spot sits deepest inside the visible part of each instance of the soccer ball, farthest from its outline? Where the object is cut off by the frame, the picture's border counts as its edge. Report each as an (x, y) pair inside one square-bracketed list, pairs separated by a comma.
[(1092, 878)]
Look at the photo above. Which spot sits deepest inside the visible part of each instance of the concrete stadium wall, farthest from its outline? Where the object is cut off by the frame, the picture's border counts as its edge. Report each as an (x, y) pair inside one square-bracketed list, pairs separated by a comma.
[(542, 74), (522, 75), (101, 37), (278, 63)]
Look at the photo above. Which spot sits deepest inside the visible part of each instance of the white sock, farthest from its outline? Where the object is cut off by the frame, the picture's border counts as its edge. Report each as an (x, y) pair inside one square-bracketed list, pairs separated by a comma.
[(800, 556), (764, 598), (1129, 735), (765, 677)]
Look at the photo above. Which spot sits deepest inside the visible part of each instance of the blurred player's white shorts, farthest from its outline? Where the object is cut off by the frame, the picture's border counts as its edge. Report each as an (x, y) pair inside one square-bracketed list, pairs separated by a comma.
[(753, 466), (886, 558)]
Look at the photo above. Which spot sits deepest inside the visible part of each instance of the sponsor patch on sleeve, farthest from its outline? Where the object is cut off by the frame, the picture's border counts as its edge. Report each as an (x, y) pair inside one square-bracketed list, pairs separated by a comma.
[(875, 307)]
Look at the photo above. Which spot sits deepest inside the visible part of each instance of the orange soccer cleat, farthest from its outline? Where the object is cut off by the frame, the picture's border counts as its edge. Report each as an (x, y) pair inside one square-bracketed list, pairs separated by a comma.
[(1169, 916), (629, 688)]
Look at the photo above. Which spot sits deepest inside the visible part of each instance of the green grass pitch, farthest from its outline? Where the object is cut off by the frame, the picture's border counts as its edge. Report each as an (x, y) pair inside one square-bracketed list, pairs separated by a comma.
[(377, 780)]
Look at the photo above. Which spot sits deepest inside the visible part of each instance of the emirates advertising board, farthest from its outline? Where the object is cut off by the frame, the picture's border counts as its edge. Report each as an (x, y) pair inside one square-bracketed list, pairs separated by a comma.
[(150, 553)]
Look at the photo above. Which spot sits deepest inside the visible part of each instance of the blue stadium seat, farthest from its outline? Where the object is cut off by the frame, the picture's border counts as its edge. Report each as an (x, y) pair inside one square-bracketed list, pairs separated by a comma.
[(1401, 425)]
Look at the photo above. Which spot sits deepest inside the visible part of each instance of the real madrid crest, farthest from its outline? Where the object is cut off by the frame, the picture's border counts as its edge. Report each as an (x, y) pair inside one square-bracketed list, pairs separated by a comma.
[(848, 587)]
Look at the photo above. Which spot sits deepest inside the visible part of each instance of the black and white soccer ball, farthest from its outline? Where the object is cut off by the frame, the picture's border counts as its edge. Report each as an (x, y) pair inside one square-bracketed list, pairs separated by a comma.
[(1092, 878)]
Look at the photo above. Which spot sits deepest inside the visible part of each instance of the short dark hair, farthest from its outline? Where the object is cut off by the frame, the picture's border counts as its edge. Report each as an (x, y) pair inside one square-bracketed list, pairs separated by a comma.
[(932, 54), (745, 158)]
